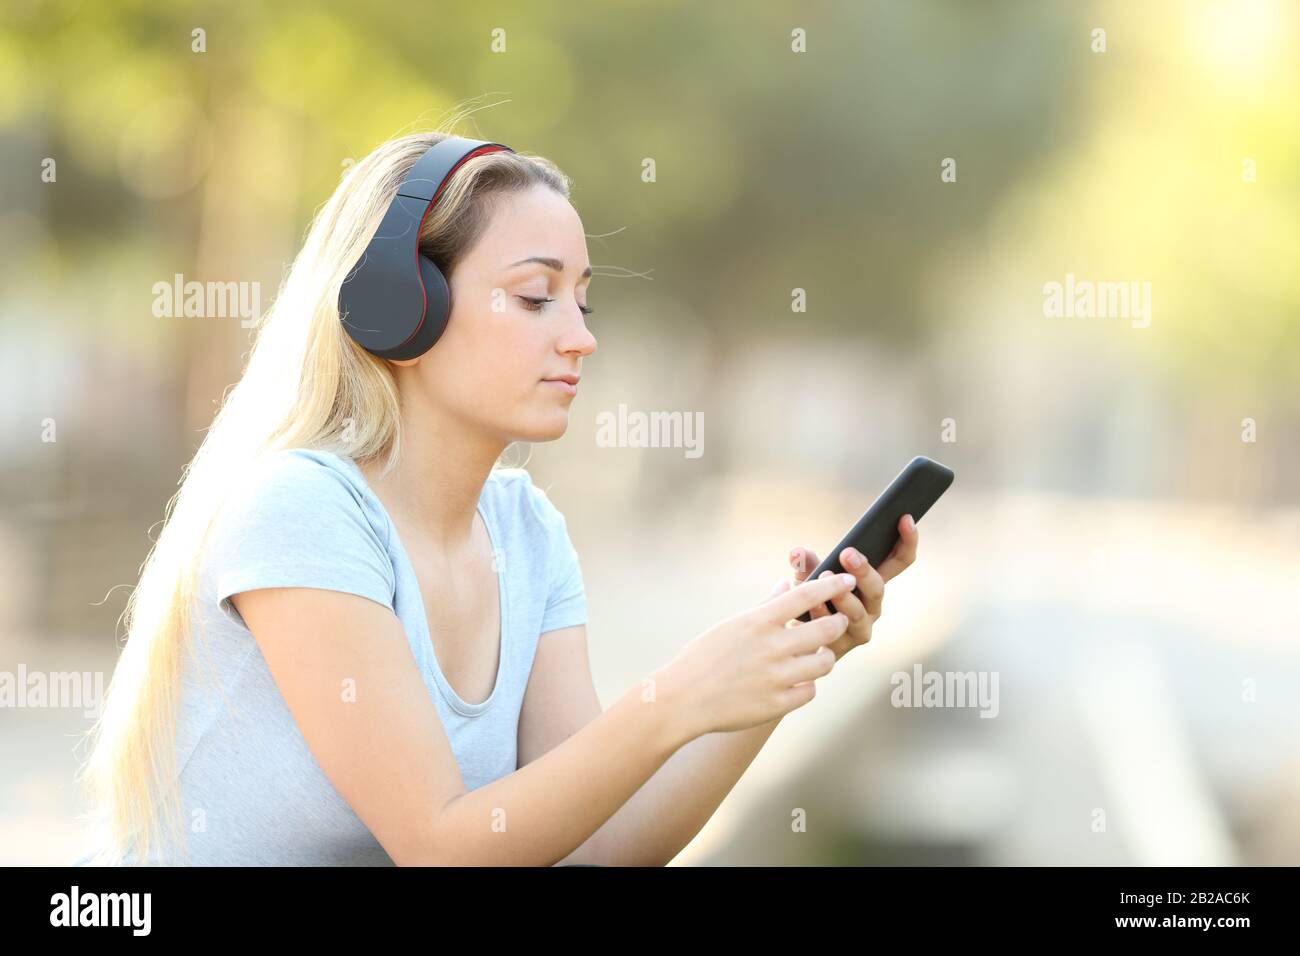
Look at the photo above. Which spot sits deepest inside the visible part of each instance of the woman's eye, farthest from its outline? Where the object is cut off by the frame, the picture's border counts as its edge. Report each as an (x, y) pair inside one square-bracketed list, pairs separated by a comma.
[(535, 305)]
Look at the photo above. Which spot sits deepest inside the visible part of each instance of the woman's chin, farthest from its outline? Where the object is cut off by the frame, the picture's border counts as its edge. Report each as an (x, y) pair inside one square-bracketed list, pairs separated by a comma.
[(547, 428)]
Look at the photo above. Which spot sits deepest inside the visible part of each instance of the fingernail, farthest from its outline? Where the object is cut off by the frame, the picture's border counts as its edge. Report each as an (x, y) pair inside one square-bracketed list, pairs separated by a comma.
[(848, 579), (911, 522), (853, 559)]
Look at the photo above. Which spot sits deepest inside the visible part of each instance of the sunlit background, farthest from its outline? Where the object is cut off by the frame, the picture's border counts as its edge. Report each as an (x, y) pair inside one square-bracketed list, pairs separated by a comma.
[(841, 261)]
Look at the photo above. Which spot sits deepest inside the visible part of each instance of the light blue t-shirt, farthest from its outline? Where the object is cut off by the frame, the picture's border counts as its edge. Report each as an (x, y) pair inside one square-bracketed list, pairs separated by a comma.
[(251, 791)]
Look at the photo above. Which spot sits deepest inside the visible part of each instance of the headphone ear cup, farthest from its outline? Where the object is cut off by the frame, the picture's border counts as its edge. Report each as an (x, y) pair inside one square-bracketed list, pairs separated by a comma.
[(437, 307)]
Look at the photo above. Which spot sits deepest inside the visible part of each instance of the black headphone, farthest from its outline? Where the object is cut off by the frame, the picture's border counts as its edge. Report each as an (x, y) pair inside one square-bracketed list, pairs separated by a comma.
[(395, 301)]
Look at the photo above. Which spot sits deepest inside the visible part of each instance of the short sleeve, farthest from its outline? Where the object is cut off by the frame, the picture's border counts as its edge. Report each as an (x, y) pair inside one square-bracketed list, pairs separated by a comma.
[(566, 600), (298, 522)]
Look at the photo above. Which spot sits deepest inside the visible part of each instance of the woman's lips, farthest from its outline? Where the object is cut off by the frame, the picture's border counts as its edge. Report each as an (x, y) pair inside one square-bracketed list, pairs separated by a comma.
[(566, 387)]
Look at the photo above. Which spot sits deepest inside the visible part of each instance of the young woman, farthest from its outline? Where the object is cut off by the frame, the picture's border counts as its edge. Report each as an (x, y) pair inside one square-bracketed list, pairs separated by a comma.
[(361, 640)]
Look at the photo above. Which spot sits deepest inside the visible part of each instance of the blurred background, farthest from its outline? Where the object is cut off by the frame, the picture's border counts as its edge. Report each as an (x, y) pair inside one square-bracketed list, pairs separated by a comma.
[(844, 258)]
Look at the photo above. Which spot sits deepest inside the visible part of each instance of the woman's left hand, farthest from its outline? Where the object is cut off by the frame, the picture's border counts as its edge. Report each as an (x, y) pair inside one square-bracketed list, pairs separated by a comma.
[(862, 612)]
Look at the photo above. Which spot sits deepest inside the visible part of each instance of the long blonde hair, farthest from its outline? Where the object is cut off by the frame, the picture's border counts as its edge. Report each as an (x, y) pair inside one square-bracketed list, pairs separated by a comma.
[(306, 385)]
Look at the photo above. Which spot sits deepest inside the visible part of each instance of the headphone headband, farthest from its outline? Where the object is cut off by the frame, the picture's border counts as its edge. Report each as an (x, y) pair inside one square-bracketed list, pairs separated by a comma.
[(395, 302), (432, 170)]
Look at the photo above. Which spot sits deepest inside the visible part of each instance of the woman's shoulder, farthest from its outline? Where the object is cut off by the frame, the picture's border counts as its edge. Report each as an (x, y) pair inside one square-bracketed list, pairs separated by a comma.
[(547, 536), (292, 487), (297, 469), (310, 465), (529, 503), (516, 485), (300, 518)]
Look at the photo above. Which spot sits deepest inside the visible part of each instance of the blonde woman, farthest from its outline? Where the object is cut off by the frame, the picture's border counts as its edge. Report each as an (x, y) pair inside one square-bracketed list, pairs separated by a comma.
[(360, 640)]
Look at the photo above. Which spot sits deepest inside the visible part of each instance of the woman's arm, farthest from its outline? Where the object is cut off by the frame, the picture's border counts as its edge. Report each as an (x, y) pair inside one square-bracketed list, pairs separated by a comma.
[(675, 804), (665, 814), (345, 670)]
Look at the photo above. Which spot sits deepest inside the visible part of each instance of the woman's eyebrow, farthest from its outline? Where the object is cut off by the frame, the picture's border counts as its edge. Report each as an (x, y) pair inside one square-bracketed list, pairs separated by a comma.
[(547, 261)]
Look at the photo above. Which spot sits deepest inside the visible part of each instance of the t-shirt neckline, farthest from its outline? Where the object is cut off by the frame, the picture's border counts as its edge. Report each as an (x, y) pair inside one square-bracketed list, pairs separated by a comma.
[(454, 700)]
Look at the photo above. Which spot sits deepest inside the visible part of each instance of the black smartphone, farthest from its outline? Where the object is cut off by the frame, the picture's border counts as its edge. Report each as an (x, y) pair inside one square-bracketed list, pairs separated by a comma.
[(917, 487)]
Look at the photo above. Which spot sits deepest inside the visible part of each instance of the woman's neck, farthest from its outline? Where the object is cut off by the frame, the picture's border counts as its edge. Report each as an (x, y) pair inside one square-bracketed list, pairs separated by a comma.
[(435, 486)]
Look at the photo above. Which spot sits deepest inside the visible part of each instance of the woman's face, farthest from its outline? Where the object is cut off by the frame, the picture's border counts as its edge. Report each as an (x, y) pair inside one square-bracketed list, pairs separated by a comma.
[(489, 367)]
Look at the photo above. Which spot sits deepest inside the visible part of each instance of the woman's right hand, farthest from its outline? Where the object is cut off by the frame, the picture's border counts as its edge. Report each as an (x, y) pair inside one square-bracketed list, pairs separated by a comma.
[(760, 664)]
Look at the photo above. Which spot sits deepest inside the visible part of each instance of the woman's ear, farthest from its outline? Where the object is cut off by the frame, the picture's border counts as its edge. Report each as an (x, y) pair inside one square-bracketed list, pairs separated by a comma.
[(405, 362)]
